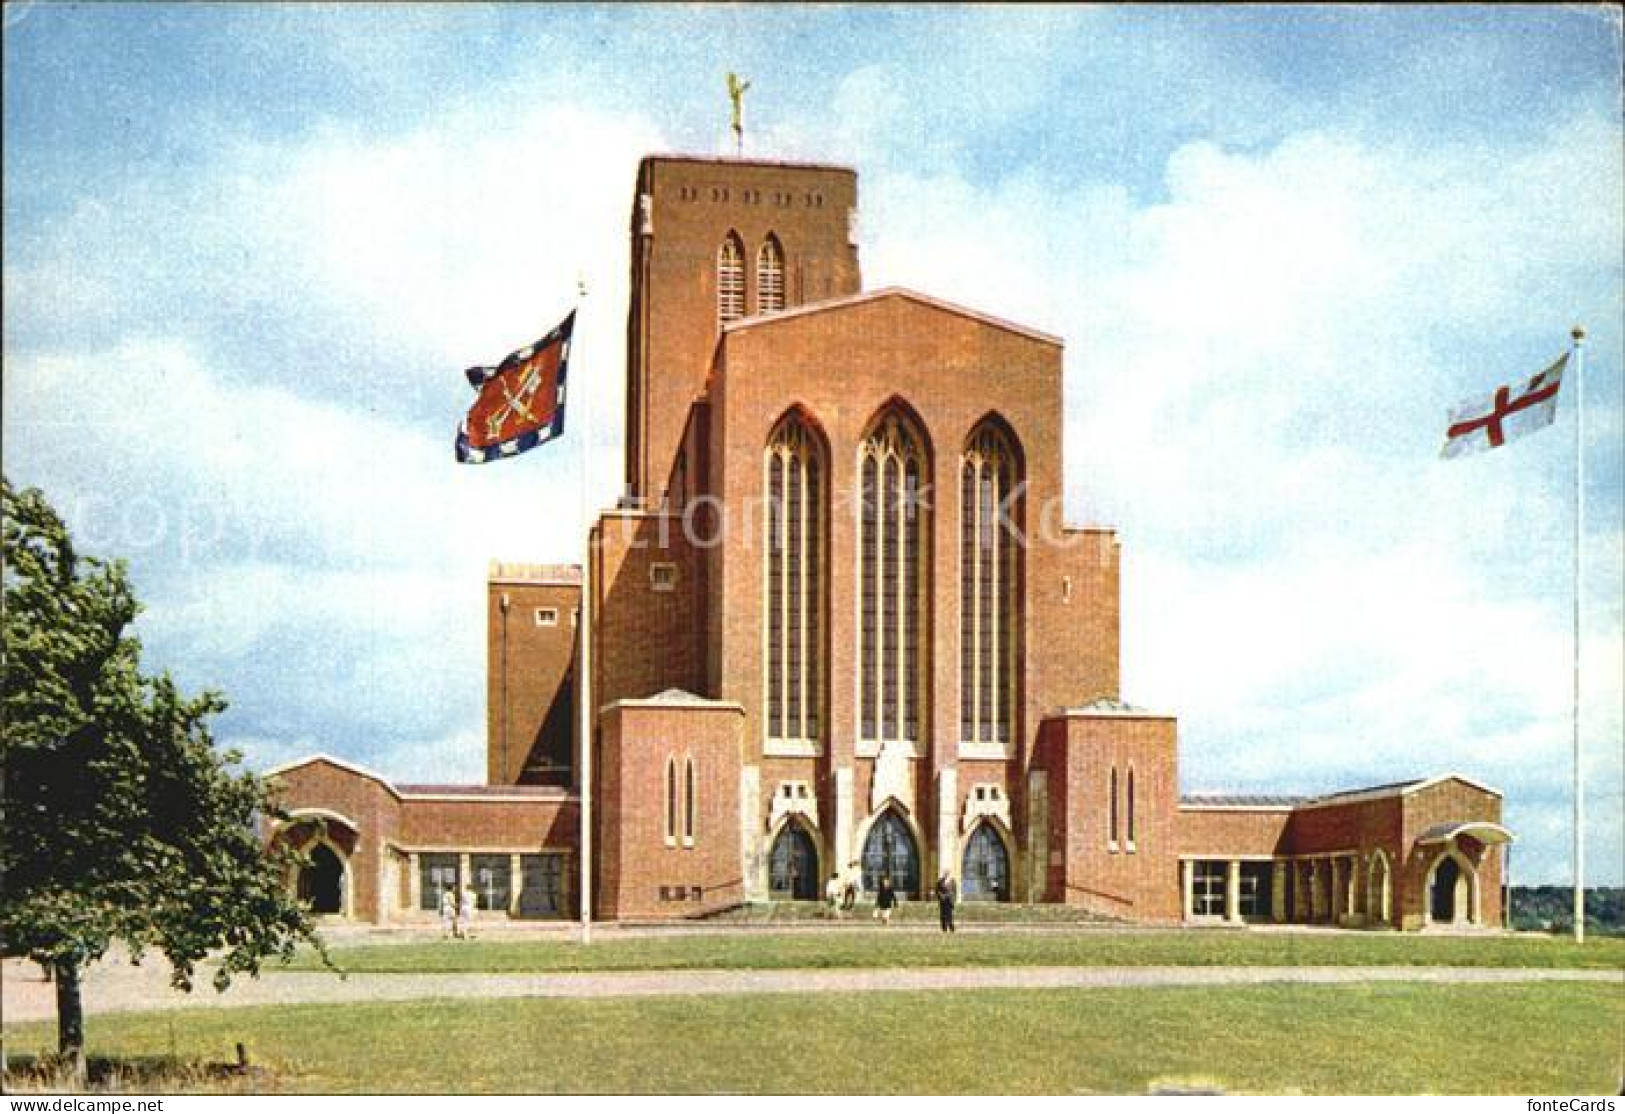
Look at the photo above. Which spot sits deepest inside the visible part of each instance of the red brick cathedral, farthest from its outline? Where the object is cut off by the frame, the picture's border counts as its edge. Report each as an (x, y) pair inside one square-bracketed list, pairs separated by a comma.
[(839, 626)]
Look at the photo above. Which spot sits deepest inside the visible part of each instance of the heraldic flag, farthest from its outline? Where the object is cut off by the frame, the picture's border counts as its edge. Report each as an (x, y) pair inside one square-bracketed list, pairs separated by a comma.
[(521, 400), (1488, 423)]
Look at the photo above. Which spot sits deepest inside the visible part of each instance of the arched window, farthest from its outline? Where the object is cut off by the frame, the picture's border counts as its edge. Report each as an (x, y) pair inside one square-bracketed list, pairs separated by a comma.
[(770, 276), (688, 802), (730, 280), (989, 594), (793, 580), (891, 568), (671, 800), (1111, 810)]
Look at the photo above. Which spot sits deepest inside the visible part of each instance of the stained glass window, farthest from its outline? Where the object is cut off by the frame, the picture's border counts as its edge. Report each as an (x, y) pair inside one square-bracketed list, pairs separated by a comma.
[(891, 557), (791, 589), (989, 595)]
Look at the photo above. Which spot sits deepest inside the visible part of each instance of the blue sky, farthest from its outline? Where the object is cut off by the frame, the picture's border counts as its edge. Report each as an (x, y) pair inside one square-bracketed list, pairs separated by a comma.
[(249, 249)]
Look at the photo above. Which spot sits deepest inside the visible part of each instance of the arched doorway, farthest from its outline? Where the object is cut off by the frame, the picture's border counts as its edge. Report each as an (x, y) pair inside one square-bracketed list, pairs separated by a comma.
[(321, 881), (890, 851), (985, 875), (1450, 893), (793, 865)]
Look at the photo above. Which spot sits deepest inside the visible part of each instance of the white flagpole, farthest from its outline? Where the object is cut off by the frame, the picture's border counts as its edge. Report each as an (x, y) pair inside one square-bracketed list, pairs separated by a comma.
[(584, 658), (1578, 334)]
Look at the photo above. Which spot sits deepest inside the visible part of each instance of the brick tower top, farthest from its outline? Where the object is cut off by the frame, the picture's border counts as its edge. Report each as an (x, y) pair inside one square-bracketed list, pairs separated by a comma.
[(714, 240)]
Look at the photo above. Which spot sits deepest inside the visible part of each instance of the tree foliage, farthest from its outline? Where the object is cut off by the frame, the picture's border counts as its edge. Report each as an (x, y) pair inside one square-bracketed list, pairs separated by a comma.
[(122, 820)]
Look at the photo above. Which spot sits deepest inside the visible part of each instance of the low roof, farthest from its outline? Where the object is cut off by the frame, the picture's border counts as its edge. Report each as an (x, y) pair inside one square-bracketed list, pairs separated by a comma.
[(408, 792), (1341, 797), (1240, 800), (1395, 789)]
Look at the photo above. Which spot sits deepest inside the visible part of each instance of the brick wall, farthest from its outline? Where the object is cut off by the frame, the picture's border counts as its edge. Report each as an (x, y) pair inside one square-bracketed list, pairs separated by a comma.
[(637, 860), (1078, 753), (646, 640), (1219, 832), (672, 319), (1452, 801), (530, 721), (375, 811)]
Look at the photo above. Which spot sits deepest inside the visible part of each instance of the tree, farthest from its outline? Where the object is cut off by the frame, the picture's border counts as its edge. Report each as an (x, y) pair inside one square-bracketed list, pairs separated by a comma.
[(122, 820)]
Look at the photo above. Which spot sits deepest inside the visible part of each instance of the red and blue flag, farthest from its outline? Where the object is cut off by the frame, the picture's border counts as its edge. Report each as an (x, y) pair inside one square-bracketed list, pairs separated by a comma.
[(521, 400)]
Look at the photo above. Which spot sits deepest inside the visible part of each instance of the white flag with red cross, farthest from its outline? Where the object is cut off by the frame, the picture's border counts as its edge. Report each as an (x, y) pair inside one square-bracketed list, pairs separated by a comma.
[(1490, 422)]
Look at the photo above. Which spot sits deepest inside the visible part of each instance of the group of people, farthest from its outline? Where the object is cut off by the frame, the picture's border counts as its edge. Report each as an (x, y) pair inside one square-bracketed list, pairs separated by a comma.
[(842, 891), (457, 913)]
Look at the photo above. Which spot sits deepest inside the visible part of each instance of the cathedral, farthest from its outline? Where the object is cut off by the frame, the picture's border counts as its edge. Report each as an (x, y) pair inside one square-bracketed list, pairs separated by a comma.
[(839, 625)]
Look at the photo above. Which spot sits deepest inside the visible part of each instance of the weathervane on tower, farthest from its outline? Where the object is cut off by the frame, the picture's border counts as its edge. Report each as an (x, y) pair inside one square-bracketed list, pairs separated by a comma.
[(736, 94)]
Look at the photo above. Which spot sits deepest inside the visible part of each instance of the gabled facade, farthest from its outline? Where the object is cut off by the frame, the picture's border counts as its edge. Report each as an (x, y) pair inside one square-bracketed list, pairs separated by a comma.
[(840, 626)]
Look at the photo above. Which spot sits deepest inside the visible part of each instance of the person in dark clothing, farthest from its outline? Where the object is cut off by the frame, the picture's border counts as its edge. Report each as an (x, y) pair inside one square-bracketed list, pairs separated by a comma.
[(947, 894), (885, 900)]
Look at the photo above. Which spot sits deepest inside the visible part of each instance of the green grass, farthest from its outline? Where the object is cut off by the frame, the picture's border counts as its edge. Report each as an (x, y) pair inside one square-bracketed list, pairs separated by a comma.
[(866, 947), (1359, 1039)]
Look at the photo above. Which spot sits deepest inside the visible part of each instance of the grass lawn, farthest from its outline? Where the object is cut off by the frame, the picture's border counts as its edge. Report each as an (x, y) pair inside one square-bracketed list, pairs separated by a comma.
[(867, 947), (1384, 1039)]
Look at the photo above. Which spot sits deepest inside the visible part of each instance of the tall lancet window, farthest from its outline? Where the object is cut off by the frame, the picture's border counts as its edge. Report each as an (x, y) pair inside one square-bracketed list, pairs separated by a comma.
[(891, 564), (793, 582), (730, 280), (989, 586), (770, 277)]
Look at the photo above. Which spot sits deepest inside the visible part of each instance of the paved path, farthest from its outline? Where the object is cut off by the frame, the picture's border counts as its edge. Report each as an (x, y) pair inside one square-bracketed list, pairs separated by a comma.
[(113, 987)]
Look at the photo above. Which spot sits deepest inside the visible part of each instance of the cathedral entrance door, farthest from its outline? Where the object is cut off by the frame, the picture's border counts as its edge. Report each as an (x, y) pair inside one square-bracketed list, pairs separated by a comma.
[(793, 865), (986, 873), (890, 850)]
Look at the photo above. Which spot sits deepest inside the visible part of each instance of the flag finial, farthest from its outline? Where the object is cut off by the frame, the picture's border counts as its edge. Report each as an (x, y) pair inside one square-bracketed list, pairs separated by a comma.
[(1578, 333)]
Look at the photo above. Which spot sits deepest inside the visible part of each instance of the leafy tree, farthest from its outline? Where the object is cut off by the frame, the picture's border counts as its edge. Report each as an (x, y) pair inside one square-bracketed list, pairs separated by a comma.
[(122, 821)]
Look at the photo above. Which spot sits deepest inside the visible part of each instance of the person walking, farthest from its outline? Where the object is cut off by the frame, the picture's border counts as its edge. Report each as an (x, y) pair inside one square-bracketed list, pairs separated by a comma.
[(448, 913), (947, 894), (885, 900), (466, 913), (832, 897), (853, 883)]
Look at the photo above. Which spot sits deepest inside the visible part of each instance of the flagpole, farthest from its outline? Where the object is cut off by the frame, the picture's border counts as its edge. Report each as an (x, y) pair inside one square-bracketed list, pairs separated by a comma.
[(1578, 334), (584, 626)]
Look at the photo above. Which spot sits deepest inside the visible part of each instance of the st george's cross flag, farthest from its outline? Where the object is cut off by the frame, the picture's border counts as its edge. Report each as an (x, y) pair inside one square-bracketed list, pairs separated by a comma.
[(521, 400), (1488, 423)]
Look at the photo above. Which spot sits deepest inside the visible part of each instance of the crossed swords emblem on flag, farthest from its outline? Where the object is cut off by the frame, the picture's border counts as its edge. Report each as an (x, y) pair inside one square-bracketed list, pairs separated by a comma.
[(516, 404), (520, 402)]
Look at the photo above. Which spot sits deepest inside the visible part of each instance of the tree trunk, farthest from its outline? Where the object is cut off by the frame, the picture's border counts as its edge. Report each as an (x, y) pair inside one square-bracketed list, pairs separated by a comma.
[(70, 1020)]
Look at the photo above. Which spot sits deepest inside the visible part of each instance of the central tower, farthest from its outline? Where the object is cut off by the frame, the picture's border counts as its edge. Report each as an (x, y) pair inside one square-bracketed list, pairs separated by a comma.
[(714, 240)]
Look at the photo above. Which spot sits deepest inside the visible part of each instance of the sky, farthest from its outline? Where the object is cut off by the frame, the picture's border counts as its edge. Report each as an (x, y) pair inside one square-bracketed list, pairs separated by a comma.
[(249, 249)]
